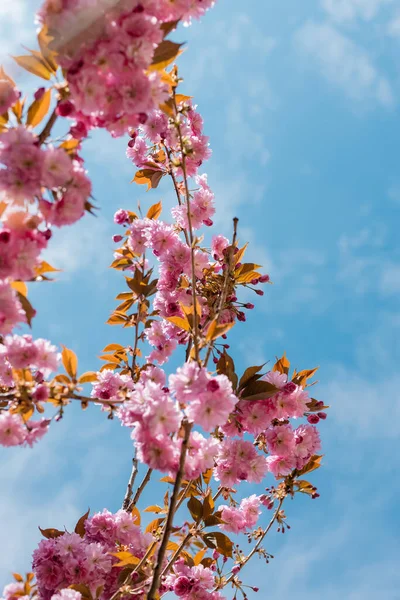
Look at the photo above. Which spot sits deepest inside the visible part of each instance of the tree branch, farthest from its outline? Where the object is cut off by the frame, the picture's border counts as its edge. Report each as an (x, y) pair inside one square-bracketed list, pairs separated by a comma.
[(171, 513)]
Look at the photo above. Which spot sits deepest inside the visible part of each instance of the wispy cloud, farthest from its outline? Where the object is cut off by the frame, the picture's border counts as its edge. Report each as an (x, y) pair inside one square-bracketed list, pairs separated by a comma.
[(350, 10), (344, 63), (78, 248)]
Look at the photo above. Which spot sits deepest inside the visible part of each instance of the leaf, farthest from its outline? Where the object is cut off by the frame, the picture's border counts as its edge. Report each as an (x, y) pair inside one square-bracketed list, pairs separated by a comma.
[(125, 558), (148, 177), (62, 379), (220, 542), (169, 26), (18, 577), (249, 374), (301, 377), (305, 487), (154, 508), (313, 464), (239, 255), (197, 558), (165, 53), (113, 347), (208, 505), (20, 287), (51, 533), (282, 365), (44, 40), (3, 75), (154, 211), (39, 109), (27, 307), (136, 515), (82, 589), (213, 520), (226, 366), (214, 331), (70, 362), (207, 476), (179, 322), (44, 267), (70, 145), (88, 377), (117, 319), (33, 65), (179, 98), (80, 526), (196, 508), (259, 390), (154, 525)]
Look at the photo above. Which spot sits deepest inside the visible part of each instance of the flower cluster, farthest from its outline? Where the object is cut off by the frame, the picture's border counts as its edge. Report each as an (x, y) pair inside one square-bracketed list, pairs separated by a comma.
[(11, 311), (20, 353), (28, 169), (107, 49), (88, 559), (192, 583), (238, 519)]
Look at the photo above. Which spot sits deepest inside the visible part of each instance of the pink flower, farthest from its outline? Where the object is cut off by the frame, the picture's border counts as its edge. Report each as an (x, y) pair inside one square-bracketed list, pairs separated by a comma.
[(67, 594), (8, 95), (11, 312), (47, 357), (110, 385), (57, 168), (280, 466), (218, 245), (280, 440), (21, 351)]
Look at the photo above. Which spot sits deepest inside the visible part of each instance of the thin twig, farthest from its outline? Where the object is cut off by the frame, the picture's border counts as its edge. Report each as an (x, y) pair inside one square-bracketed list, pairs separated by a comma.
[(171, 513), (255, 549), (140, 489), (191, 238), (222, 298), (131, 483), (44, 134)]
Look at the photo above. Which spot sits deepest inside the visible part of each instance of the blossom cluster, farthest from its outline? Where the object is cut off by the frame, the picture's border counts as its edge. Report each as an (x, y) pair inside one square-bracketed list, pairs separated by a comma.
[(192, 583), (155, 416), (28, 169), (39, 357), (88, 559), (106, 49)]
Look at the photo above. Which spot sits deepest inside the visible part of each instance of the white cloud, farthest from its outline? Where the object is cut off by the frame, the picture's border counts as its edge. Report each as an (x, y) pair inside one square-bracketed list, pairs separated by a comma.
[(83, 246), (365, 263), (350, 10), (394, 193), (344, 63), (394, 26)]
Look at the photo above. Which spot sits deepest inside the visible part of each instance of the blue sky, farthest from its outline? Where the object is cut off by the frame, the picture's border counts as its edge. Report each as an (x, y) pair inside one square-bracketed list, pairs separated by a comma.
[(301, 102)]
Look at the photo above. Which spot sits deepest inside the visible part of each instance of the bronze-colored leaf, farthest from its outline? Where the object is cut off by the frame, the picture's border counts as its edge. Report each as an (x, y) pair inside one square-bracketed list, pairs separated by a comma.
[(154, 211), (282, 365), (39, 109), (259, 390), (220, 542), (154, 525), (208, 505), (196, 508), (27, 307), (313, 464), (249, 374), (33, 65), (80, 526), (88, 377), (51, 533), (165, 53), (70, 362)]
